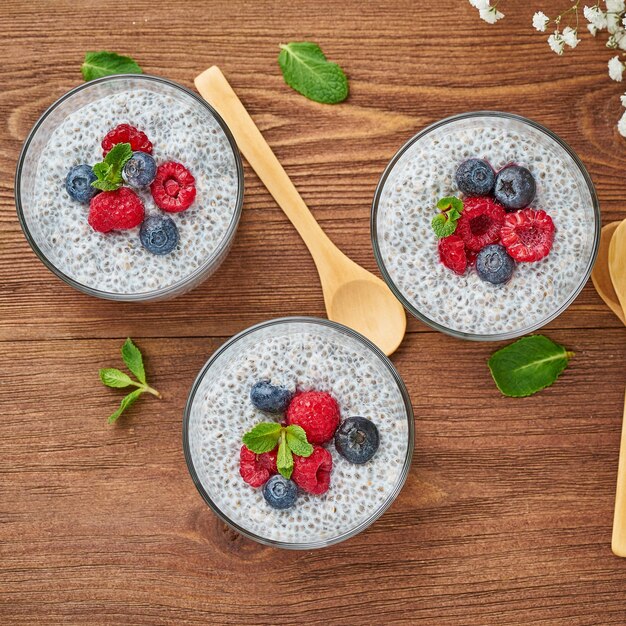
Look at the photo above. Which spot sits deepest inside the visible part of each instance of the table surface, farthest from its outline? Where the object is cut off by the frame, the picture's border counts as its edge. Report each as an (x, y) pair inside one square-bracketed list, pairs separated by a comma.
[(506, 514)]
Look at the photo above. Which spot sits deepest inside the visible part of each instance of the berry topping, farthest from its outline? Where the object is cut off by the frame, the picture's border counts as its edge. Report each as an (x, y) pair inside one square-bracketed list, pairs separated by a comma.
[(159, 234), (280, 493), (528, 235), (317, 412), (480, 222), (312, 473), (115, 210), (140, 170), (452, 254), (255, 469), (174, 188), (270, 398), (494, 265), (78, 183), (125, 133), (515, 187), (357, 439), (475, 177)]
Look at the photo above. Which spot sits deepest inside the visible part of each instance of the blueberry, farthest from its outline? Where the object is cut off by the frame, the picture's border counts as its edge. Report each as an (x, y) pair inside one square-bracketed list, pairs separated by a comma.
[(158, 234), (357, 439), (140, 170), (475, 177), (78, 183), (279, 492), (494, 265), (270, 398), (515, 187)]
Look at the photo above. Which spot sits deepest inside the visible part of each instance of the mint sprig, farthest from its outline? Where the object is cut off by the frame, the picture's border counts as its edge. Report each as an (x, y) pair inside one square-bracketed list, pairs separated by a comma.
[(264, 437), (115, 378), (103, 63), (444, 223), (306, 69), (528, 365), (109, 172)]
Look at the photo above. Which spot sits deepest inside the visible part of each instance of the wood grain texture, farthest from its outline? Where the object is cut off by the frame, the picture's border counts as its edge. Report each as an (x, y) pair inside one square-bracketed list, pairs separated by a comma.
[(506, 516)]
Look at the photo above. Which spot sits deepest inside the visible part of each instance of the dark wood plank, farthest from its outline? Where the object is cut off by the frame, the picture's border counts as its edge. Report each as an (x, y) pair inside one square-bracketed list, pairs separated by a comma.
[(506, 516)]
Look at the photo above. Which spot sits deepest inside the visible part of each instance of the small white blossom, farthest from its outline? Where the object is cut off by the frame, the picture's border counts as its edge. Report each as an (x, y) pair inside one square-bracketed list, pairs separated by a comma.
[(540, 21), (592, 29), (615, 6), (616, 69), (479, 4), (621, 125), (613, 22), (556, 43), (595, 16), (623, 99), (624, 21), (570, 37), (490, 15)]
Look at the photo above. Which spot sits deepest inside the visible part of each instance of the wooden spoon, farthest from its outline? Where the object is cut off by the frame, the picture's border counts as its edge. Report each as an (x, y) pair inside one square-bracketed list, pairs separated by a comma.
[(601, 277), (617, 269), (352, 295)]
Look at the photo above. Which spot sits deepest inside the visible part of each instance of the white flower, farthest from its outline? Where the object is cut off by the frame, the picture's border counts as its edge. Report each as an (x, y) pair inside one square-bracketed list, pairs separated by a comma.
[(624, 21), (479, 4), (615, 6), (595, 16), (623, 99), (556, 43), (490, 15), (621, 125), (616, 69), (540, 21), (570, 37), (592, 29), (613, 22)]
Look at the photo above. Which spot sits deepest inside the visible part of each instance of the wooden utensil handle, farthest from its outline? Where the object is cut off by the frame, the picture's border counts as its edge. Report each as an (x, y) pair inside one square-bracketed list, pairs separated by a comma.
[(216, 90), (618, 543)]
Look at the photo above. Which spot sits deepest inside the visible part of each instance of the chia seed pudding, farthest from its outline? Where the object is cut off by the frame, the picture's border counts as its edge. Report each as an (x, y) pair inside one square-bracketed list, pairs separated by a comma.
[(115, 264), (423, 172), (303, 354)]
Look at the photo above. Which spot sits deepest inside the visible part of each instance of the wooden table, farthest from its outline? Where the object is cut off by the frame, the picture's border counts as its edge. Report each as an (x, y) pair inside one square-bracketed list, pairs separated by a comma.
[(506, 515)]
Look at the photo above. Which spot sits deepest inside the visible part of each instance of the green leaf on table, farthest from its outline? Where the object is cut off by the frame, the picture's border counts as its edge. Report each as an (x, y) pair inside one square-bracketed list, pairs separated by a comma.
[(263, 437), (133, 359), (103, 63), (306, 69), (284, 459), (126, 402), (112, 377), (109, 172), (297, 441), (528, 365)]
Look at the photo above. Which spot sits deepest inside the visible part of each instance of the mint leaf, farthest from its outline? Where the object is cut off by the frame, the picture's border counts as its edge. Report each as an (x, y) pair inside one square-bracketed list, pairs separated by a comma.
[(126, 402), (297, 441), (133, 359), (450, 202), (115, 378), (306, 69), (284, 459), (263, 437), (528, 365), (443, 226), (109, 171), (103, 63)]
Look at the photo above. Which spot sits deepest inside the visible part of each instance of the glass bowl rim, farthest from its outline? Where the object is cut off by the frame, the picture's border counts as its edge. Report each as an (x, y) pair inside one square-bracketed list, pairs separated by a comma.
[(396, 291), (409, 416), (147, 295)]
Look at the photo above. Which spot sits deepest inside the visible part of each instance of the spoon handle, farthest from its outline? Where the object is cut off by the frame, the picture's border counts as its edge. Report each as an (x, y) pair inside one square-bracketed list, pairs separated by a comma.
[(618, 543), (216, 90)]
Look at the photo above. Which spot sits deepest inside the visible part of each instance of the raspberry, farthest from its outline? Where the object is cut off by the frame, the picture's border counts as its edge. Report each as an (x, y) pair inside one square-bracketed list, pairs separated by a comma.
[(115, 210), (125, 133), (480, 222), (255, 469), (452, 254), (173, 187), (317, 412), (312, 473), (527, 235)]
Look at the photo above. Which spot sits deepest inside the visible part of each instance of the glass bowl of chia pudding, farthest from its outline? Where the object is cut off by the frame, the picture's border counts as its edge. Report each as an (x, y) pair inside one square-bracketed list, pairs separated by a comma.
[(187, 242), (463, 303), (306, 356)]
